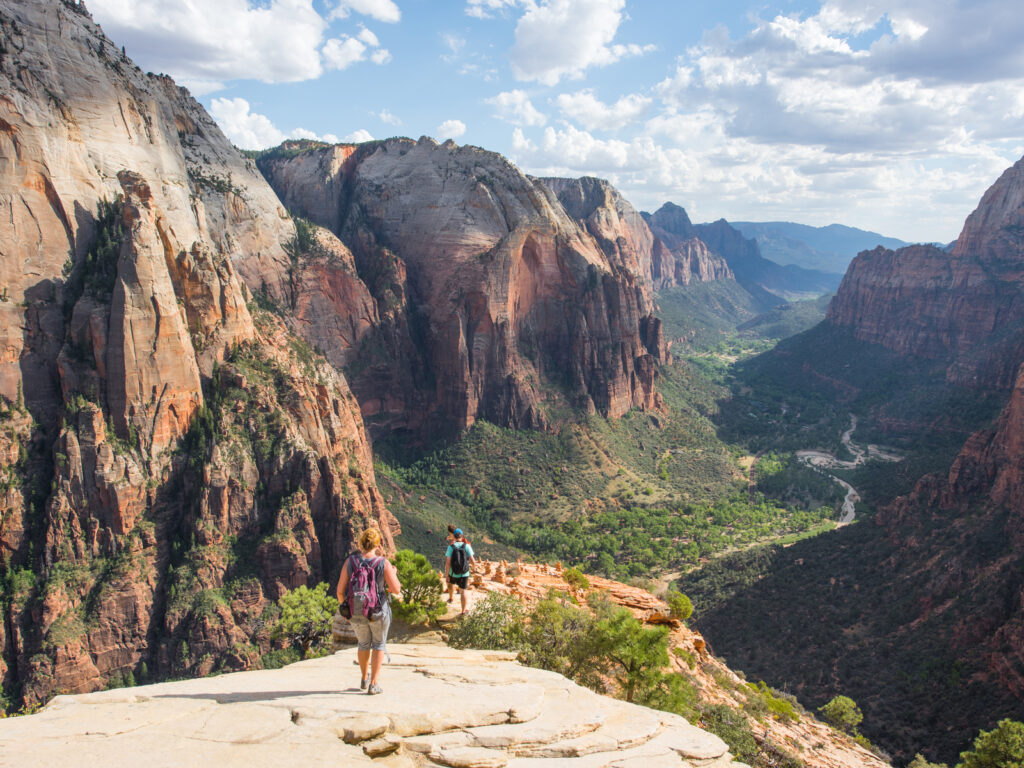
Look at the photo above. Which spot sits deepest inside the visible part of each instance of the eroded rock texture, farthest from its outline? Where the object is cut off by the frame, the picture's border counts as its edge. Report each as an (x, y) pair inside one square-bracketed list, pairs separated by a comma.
[(487, 284), (172, 457), (965, 307)]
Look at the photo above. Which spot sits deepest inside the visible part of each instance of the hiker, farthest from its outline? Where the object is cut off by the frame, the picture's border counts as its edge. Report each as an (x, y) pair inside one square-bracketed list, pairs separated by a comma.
[(449, 539), (366, 579), (458, 559)]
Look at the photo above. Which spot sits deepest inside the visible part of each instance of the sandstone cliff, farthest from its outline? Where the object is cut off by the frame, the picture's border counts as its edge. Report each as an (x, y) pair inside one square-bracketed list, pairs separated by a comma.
[(965, 307), (461, 709), (680, 257), (172, 456), (485, 287)]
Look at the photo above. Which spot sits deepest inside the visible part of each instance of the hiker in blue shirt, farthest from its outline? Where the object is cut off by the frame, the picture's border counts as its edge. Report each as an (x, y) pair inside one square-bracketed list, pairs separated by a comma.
[(458, 560)]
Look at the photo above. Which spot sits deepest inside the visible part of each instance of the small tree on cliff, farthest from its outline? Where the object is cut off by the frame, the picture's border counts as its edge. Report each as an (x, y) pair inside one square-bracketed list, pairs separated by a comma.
[(679, 605), (306, 616), (843, 713), (1002, 747), (421, 589)]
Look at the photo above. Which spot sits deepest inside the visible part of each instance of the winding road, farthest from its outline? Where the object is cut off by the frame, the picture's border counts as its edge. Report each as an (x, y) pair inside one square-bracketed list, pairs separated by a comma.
[(822, 460)]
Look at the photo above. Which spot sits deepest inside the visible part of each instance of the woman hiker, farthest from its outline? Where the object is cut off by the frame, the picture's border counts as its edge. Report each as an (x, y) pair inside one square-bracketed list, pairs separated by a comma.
[(458, 559), (366, 579), (449, 539)]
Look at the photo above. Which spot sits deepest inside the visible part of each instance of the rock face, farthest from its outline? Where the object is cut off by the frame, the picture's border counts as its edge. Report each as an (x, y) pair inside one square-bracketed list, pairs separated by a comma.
[(680, 257), (173, 456), (463, 709), (965, 307), (485, 286)]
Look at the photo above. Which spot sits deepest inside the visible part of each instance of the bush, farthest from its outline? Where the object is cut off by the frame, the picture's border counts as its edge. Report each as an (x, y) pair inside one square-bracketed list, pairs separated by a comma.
[(1002, 747), (843, 713), (919, 761), (421, 599), (575, 578), (280, 658), (679, 605), (306, 616), (496, 623), (733, 728)]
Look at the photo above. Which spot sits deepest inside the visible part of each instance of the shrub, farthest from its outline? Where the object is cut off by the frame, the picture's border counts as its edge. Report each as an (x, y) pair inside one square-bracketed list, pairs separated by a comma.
[(496, 623), (306, 616), (843, 713), (280, 658), (1002, 747), (575, 578), (733, 728), (919, 761), (679, 605), (421, 599)]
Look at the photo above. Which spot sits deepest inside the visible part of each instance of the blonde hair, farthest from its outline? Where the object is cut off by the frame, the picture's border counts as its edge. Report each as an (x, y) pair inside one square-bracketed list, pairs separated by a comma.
[(369, 539)]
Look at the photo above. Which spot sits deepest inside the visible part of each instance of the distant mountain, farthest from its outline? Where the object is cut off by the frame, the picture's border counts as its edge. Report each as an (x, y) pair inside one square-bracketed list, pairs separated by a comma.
[(753, 270), (829, 249)]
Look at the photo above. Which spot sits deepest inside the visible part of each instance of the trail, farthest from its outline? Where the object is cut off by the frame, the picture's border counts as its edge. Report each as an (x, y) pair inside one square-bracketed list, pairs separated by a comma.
[(822, 460)]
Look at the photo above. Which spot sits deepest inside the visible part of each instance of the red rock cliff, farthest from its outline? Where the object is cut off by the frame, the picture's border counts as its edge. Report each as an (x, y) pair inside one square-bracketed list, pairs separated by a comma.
[(966, 306), (484, 285), (173, 456)]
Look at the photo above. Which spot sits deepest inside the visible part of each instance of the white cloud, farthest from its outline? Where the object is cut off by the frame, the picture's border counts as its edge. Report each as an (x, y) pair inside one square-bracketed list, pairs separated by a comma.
[(206, 44), (564, 38), (380, 56), (593, 114), (343, 52), (516, 108), (357, 137), (385, 116), (250, 130), (368, 37), (382, 10), (450, 129)]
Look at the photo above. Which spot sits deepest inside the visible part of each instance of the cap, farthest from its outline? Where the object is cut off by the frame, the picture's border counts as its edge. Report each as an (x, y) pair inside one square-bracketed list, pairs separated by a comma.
[(457, 531)]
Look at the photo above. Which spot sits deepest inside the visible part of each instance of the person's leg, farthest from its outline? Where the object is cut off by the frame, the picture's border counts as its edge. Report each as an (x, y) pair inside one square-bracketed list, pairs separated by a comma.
[(451, 590), (376, 660), (364, 662), (462, 596)]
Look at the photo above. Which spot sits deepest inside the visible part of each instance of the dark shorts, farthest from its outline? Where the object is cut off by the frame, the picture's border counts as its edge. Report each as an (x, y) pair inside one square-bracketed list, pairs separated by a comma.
[(459, 581)]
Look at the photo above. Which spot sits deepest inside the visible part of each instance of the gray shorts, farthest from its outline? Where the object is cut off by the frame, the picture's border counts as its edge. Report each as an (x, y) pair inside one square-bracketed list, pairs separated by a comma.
[(372, 635)]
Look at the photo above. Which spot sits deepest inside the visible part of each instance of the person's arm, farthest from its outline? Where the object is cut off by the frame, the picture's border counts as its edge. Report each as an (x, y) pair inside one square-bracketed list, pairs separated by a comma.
[(447, 566), (343, 583), (391, 578)]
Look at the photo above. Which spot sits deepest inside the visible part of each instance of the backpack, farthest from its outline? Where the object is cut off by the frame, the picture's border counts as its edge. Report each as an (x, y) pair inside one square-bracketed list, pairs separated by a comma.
[(363, 593), (460, 559)]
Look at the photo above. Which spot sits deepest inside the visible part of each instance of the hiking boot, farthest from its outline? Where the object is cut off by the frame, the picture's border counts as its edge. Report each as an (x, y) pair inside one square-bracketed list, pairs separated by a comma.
[(363, 683), (374, 689)]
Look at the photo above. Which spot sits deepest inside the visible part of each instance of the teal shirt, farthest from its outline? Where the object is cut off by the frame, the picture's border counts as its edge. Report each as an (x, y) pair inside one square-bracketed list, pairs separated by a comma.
[(469, 552)]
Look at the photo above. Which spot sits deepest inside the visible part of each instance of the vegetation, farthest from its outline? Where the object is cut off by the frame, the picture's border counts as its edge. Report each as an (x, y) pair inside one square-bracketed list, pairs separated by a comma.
[(306, 616), (602, 646), (843, 713), (1002, 747), (421, 599), (680, 606)]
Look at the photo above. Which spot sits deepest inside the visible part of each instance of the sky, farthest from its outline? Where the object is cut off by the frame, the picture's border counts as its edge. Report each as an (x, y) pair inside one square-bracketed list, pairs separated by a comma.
[(888, 115)]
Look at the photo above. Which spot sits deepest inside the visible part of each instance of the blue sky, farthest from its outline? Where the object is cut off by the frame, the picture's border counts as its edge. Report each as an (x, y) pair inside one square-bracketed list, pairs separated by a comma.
[(893, 116)]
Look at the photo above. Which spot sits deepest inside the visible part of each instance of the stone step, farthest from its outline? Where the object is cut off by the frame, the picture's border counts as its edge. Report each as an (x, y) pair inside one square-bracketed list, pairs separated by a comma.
[(625, 727), (560, 719)]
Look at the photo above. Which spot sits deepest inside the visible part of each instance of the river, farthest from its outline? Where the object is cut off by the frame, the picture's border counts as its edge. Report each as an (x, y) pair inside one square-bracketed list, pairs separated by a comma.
[(822, 460)]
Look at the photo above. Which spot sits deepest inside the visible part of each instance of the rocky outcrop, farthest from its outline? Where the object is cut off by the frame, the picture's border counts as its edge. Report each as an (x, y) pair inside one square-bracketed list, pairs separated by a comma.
[(679, 256), (172, 456), (964, 307), (485, 286), (462, 709)]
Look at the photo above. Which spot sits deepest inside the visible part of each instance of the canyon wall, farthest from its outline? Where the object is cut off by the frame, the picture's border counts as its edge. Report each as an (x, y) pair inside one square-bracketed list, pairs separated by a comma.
[(173, 455)]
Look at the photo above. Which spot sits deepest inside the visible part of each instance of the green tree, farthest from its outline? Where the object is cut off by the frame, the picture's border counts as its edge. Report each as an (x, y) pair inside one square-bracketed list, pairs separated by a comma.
[(421, 599), (679, 605), (306, 616), (496, 623), (636, 654), (560, 637), (1002, 747), (574, 577), (843, 713)]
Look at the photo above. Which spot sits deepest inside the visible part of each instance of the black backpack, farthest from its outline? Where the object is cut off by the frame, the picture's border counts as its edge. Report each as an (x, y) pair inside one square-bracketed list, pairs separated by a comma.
[(460, 559)]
